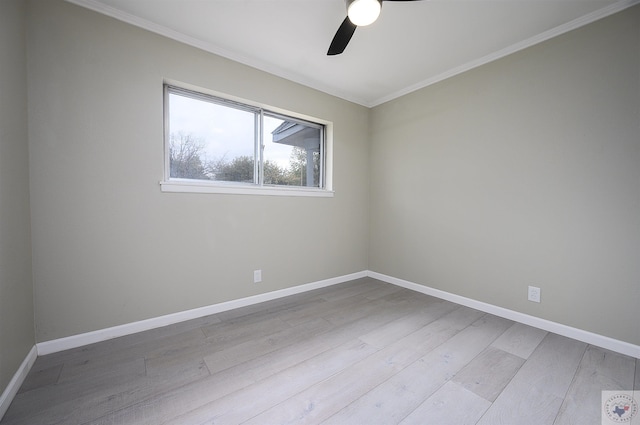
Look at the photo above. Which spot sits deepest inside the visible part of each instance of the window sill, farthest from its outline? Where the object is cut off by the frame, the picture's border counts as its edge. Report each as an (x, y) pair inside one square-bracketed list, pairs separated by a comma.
[(204, 187)]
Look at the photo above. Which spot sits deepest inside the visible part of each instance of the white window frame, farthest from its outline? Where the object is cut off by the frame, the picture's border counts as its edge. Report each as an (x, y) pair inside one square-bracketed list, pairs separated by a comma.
[(169, 184)]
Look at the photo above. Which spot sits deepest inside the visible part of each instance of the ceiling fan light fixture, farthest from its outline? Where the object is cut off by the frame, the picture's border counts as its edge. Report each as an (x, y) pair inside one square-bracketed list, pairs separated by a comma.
[(363, 12)]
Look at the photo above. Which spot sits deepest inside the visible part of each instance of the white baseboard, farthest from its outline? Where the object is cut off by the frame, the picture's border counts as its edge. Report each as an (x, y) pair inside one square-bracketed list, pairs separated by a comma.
[(18, 378), (547, 325), (80, 340), (61, 344), (75, 341)]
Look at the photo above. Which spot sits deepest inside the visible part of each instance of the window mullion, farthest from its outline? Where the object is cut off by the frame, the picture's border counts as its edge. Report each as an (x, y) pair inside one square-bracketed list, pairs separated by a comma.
[(259, 146)]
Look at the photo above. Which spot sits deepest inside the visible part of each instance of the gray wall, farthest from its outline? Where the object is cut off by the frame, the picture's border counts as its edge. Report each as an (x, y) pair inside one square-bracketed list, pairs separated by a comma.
[(525, 171), (108, 247), (16, 289)]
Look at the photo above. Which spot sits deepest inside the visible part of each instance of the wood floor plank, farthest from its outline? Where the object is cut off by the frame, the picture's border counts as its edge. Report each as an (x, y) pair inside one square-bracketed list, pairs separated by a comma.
[(221, 360), (600, 370), (397, 397), (361, 352), (297, 301), (223, 337), (123, 347), (489, 373), (452, 404), (156, 382), (162, 368), (385, 291), (355, 287), (225, 333), (322, 400), (407, 324), (352, 303), (54, 404), (340, 315), (401, 300), (154, 410), (520, 340), (242, 405), (41, 377), (535, 394), (181, 400), (274, 308), (96, 365)]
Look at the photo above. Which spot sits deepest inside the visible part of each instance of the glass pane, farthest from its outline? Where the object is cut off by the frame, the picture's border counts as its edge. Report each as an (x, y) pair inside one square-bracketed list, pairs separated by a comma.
[(291, 153), (208, 141)]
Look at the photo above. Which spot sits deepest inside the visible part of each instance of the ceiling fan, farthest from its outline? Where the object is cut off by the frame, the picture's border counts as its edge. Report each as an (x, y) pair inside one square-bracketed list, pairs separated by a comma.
[(359, 13)]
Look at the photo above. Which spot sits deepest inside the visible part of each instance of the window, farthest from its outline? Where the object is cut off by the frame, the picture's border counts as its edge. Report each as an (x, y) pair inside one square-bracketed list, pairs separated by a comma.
[(214, 144)]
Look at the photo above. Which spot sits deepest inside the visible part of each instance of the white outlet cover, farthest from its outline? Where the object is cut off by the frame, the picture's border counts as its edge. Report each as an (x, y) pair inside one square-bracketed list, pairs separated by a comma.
[(534, 294), (257, 276)]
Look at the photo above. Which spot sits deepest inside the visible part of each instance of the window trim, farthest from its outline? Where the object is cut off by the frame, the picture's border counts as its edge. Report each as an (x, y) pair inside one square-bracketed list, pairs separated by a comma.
[(175, 185), (199, 186)]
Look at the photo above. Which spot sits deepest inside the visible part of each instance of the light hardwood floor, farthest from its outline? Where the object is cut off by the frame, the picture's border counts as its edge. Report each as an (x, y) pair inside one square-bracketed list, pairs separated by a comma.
[(364, 352)]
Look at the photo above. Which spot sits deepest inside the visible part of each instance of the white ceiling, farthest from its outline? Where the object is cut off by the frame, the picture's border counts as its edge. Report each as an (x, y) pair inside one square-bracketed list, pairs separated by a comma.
[(412, 45)]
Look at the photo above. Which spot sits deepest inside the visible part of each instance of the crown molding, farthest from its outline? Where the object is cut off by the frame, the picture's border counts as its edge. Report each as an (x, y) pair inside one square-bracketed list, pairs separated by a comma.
[(280, 72), (554, 32), (128, 18)]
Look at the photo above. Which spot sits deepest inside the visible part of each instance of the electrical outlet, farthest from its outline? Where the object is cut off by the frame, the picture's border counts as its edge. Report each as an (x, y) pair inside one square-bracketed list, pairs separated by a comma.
[(534, 294), (257, 276)]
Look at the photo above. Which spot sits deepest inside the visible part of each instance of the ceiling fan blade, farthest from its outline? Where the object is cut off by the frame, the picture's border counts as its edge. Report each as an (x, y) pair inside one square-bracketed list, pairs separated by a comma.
[(342, 37)]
